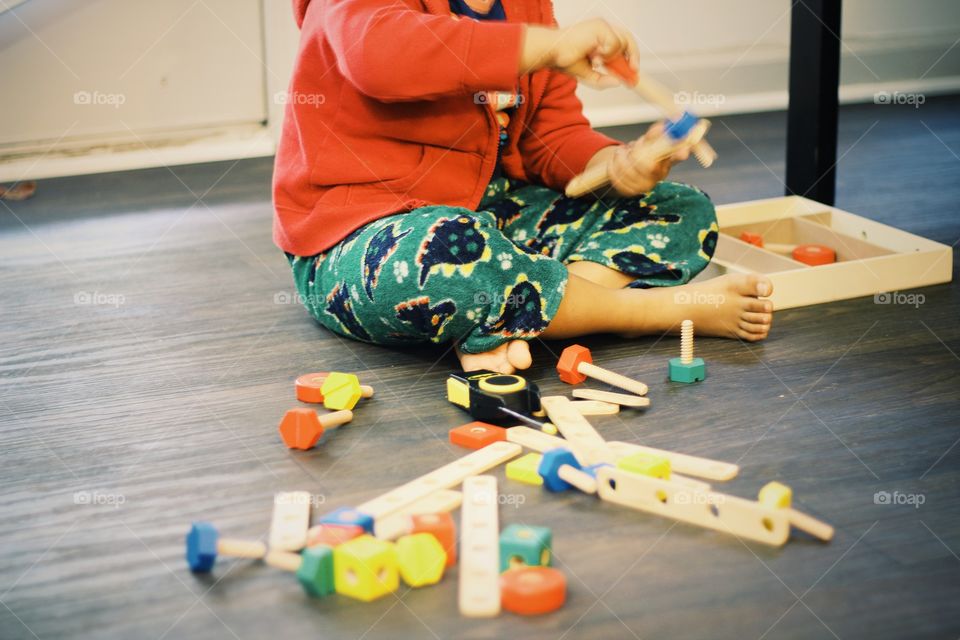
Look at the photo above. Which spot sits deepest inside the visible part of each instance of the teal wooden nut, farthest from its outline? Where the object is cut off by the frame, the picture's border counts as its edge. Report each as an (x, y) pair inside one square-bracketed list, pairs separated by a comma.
[(316, 571), (525, 544), (693, 371)]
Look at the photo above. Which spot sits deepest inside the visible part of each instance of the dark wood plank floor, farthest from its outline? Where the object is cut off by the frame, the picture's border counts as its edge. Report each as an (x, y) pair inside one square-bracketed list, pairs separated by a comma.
[(147, 356)]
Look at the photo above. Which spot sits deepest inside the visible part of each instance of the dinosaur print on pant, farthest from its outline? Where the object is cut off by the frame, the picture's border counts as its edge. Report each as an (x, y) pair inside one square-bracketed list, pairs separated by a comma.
[(378, 251), (426, 320), (455, 245), (340, 306)]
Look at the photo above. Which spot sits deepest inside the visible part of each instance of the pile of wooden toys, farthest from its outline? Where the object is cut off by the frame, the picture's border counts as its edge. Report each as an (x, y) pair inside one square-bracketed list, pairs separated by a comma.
[(408, 534)]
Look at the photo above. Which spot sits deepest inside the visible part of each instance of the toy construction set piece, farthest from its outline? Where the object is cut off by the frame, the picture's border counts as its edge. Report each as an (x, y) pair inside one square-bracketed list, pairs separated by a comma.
[(309, 388), (596, 407), (809, 254), (686, 368), (204, 545), (610, 398), (679, 462), (576, 365), (588, 446), (302, 428), (495, 397), (479, 592), (657, 94), (291, 520), (404, 521), (313, 568)]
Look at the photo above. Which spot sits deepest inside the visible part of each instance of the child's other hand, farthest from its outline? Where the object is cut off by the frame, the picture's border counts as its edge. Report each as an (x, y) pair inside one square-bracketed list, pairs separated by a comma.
[(630, 176), (579, 50)]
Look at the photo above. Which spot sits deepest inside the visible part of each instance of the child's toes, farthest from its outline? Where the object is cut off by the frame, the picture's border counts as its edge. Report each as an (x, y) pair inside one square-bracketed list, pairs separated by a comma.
[(756, 318), (751, 327), (758, 306), (518, 354), (755, 284)]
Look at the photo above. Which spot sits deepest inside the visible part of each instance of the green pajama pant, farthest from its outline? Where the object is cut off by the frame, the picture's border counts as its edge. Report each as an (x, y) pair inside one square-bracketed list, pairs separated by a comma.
[(482, 278)]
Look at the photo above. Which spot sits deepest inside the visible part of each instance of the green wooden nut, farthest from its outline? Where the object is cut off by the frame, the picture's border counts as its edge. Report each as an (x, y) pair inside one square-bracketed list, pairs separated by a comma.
[(646, 464), (421, 559), (340, 391), (693, 371), (525, 544), (316, 571)]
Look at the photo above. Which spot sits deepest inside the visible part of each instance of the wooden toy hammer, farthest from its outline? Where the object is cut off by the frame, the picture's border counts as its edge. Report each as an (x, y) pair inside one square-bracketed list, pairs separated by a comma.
[(576, 365)]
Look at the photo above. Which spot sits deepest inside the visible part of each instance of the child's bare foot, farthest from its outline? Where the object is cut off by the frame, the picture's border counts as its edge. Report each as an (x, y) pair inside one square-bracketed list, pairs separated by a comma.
[(506, 358), (728, 306)]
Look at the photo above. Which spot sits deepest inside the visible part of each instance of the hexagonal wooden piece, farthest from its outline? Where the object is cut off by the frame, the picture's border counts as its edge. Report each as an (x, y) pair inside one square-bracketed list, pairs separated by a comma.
[(476, 435)]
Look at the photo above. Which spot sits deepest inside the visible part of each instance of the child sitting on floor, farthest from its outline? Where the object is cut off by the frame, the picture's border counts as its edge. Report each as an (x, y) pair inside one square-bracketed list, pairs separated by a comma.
[(421, 198)]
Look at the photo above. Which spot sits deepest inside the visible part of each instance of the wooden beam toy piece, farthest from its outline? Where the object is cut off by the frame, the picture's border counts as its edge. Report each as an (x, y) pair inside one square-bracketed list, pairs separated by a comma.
[(402, 522), (779, 496), (444, 477), (686, 368), (204, 545), (479, 590), (596, 407), (679, 462), (313, 568), (302, 428), (291, 520), (576, 365), (608, 397), (580, 436), (309, 387)]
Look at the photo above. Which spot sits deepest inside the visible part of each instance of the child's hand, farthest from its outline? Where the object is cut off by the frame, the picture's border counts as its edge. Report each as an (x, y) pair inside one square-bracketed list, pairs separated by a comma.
[(630, 176), (579, 50)]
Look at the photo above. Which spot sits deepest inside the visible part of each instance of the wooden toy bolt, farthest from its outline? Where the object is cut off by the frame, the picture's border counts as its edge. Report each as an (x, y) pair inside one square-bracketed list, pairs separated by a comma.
[(576, 365), (313, 568), (779, 496), (341, 391), (686, 368), (204, 544), (561, 470), (309, 386), (301, 428)]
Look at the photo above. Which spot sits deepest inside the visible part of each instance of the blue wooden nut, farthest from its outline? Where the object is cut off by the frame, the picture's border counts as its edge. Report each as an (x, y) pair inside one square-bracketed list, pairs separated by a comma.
[(349, 516), (550, 466), (202, 546), (693, 371), (525, 544)]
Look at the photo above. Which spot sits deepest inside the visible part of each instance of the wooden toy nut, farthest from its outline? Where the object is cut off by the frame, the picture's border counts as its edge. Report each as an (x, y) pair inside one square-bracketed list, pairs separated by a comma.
[(341, 391)]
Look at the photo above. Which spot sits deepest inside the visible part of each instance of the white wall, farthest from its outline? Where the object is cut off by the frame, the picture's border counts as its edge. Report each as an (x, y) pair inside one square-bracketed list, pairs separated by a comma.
[(199, 78)]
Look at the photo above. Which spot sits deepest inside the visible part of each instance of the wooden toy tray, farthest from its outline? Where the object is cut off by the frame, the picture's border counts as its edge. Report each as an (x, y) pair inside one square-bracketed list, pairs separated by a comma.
[(872, 258)]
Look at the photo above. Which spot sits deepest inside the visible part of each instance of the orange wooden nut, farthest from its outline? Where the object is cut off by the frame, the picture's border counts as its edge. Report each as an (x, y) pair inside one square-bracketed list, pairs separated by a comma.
[(814, 254), (308, 387), (530, 591), (332, 534), (477, 435), (570, 359), (443, 528), (753, 238)]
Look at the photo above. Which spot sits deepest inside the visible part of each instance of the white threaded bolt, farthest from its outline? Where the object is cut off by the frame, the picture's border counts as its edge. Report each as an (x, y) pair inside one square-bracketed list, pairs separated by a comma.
[(686, 341)]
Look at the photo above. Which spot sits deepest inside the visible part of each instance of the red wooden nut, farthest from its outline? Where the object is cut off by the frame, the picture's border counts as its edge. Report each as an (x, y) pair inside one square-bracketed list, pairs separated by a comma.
[(301, 428), (814, 254), (477, 435), (309, 387), (570, 361), (530, 591), (753, 238), (332, 534), (443, 528)]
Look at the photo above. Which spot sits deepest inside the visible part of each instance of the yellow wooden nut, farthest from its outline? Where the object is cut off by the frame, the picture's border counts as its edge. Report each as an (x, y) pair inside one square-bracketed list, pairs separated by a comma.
[(421, 559), (646, 464), (341, 391), (549, 428), (524, 469), (776, 495), (365, 568)]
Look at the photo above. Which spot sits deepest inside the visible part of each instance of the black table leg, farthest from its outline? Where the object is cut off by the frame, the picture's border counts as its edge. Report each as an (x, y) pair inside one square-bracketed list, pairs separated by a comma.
[(812, 114)]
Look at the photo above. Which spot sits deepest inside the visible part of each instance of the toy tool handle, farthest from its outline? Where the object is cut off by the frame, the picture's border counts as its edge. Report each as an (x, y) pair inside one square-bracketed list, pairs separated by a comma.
[(612, 378), (580, 479), (240, 548), (366, 391), (335, 419), (811, 525), (284, 560), (522, 418)]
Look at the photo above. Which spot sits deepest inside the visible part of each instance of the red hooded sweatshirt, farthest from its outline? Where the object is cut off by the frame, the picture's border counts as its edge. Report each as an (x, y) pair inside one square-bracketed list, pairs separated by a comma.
[(382, 115)]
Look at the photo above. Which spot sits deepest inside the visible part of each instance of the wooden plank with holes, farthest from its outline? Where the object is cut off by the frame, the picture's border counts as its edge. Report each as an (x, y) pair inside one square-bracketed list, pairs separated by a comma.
[(746, 519), (588, 445), (290, 521), (681, 462), (447, 476), (479, 588)]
